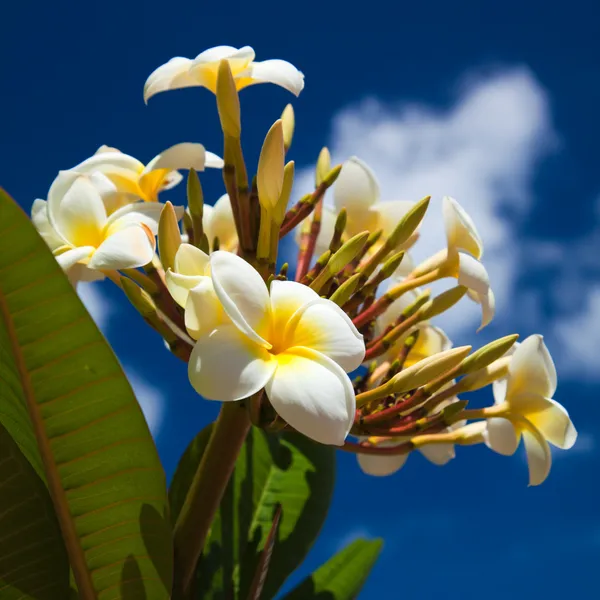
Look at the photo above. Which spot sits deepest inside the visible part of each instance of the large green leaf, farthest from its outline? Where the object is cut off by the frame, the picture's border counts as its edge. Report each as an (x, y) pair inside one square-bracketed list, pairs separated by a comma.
[(67, 404), (33, 560), (290, 470), (342, 576)]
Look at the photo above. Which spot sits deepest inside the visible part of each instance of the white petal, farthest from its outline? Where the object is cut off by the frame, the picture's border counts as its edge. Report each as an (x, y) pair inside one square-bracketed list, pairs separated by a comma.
[(323, 326), (225, 365), (236, 57), (190, 260), (314, 395), (532, 369), (39, 218), (279, 72), (404, 269), (488, 308), (501, 436), (213, 161), (170, 76), (203, 311), (179, 286), (438, 454), (395, 309), (460, 229), (356, 187), (381, 466), (127, 248), (186, 155), (472, 274), (110, 161), (79, 214), (218, 222), (287, 298), (147, 213), (547, 416), (243, 294), (71, 257), (390, 213), (539, 458)]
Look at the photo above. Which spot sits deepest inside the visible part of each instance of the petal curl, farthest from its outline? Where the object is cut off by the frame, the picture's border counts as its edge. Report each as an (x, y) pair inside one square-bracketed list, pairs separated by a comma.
[(501, 436), (279, 72), (532, 369), (128, 248), (381, 466), (356, 187), (461, 232), (172, 75)]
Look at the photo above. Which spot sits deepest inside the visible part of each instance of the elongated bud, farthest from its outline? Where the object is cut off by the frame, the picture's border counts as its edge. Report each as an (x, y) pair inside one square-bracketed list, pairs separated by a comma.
[(323, 166), (338, 230), (453, 409), (409, 223), (269, 178), (195, 199), (228, 102), (139, 298), (286, 192), (169, 237), (443, 302), (345, 291), (332, 175), (288, 120), (391, 264), (417, 303), (479, 379), (487, 354), (427, 370)]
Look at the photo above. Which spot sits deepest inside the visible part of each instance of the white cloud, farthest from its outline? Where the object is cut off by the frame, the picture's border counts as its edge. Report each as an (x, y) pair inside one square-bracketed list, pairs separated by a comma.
[(97, 303), (151, 399)]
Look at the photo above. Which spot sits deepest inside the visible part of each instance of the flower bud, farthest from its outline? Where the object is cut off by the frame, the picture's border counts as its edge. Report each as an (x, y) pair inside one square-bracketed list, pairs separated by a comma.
[(169, 237), (288, 120), (323, 166), (228, 102), (479, 379), (270, 175), (408, 223), (487, 354), (443, 302), (286, 191), (345, 291)]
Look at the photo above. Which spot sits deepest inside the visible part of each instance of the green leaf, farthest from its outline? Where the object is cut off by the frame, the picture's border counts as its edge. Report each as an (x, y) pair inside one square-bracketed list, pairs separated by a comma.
[(342, 576), (67, 404), (289, 470), (33, 559)]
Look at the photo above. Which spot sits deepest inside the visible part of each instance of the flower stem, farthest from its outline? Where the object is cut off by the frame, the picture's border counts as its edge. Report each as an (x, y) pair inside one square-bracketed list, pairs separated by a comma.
[(206, 491)]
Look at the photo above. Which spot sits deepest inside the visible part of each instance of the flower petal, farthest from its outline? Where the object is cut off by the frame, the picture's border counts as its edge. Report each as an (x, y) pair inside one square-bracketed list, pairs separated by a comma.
[(127, 248), (71, 257), (172, 75), (190, 260), (501, 436), (218, 222), (539, 458), (205, 66), (472, 274), (460, 229), (225, 365), (314, 395), (390, 213), (488, 307), (147, 213), (243, 294), (438, 454), (325, 327), (381, 466), (356, 188), (548, 416), (287, 298), (279, 72), (532, 369), (179, 286), (39, 218), (203, 311)]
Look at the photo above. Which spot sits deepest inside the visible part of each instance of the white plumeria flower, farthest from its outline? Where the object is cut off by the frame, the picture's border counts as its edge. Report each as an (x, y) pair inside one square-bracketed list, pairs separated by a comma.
[(76, 227), (381, 466), (527, 393), (465, 247), (135, 181), (357, 190), (285, 339), (202, 71), (431, 340), (217, 221)]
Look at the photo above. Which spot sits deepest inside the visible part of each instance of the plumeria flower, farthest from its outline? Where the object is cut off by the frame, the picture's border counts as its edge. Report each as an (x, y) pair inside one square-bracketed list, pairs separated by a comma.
[(431, 340), (84, 239), (285, 339), (203, 70), (357, 190), (381, 466), (135, 181), (531, 413), (217, 221)]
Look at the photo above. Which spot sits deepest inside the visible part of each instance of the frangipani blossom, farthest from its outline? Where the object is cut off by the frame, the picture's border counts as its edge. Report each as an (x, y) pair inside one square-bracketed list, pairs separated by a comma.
[(431, 340), (76, 227), (527, 393), (285, 339), (218, 221), (465, 247), (357, 190), (134, 181), (202, 71)]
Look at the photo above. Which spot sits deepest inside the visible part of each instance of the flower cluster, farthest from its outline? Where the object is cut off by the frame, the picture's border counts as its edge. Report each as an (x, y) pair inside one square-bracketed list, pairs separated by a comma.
[(344, 347)]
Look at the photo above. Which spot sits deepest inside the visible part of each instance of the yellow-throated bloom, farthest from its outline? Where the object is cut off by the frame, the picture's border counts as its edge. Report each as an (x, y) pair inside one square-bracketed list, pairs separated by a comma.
[(357, 190), (84, 239), (531, 413), (135, 181), (202, 71), (285, 339), (217, 221)]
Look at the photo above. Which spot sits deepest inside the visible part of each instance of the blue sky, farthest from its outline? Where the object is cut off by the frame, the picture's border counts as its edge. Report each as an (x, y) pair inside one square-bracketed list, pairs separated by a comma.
[(497, 106)]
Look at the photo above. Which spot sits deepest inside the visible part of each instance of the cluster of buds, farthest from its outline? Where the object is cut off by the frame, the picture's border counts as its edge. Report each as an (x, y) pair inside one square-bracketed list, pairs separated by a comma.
[(345, 346)]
